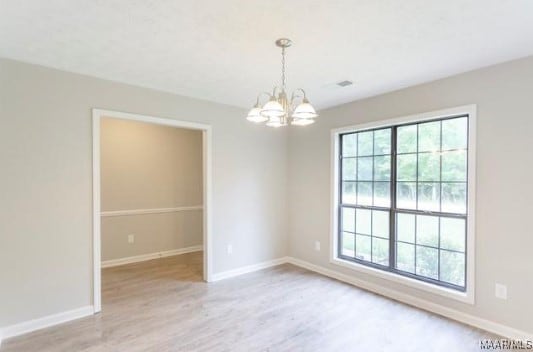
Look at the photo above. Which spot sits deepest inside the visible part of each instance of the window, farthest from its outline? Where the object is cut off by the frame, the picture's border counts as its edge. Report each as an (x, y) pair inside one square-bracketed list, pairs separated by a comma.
[(402, 202)]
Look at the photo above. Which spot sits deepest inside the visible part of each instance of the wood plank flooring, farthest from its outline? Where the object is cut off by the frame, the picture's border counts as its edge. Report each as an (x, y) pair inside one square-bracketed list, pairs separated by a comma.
[(163, 305)]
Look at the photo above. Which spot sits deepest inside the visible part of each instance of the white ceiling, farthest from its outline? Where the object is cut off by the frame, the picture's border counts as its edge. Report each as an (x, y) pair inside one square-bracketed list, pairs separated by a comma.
[(223, 50)]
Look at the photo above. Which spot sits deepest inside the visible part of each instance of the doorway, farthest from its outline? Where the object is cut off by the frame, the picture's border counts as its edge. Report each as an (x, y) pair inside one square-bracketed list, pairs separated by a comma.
[(205, 130)]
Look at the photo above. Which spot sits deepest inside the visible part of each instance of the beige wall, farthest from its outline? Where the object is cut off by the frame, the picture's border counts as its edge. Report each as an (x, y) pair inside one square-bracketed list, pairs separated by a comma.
[(46, 184), (504, 240), (148, 166)]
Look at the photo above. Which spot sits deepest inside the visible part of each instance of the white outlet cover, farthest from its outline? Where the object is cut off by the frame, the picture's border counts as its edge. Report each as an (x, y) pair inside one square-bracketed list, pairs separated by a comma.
[(131, 238), (317, 246), (501, 291), (230, 249)]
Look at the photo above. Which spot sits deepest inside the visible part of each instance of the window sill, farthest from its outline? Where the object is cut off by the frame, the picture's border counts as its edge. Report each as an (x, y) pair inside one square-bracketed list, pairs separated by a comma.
[(464, 297)]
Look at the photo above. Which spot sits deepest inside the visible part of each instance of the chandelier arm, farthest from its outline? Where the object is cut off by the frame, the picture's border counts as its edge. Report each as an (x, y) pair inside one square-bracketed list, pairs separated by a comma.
[(301, 90), (294, 94), (259, 97), (276, 89)]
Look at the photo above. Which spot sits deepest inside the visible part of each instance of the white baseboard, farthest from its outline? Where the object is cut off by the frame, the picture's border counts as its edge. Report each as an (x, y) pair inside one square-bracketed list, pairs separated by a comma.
[(150, 256), (44, 322), (453, 314), (248, 269)]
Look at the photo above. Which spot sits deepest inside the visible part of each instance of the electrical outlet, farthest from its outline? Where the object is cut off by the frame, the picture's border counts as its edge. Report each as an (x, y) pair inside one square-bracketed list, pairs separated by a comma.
[(230, 249), (131, 239), (317, 246), (501, 291)]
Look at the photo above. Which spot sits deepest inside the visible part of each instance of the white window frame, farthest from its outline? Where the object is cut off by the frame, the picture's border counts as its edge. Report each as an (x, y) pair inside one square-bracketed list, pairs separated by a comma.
[(467, 296)]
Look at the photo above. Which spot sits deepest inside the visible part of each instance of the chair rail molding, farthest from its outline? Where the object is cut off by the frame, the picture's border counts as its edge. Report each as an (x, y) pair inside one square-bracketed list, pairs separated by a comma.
[(110, 213)]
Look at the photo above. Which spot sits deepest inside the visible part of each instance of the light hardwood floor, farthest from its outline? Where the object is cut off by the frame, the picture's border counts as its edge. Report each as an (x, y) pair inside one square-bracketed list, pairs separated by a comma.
[(163, 305)]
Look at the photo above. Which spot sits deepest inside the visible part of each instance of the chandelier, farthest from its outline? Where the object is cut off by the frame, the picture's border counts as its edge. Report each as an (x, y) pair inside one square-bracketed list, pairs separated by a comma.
[(279, 111)]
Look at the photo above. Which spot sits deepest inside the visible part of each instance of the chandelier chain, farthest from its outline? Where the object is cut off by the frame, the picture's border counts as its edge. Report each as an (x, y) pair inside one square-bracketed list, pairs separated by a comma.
[(283, 68)]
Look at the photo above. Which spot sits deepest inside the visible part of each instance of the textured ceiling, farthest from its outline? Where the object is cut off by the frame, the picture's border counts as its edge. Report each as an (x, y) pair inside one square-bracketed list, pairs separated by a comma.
[(224, 50)]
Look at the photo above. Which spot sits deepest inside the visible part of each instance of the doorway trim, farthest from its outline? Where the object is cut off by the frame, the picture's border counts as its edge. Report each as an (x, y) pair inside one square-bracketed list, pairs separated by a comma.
[(207, 190)]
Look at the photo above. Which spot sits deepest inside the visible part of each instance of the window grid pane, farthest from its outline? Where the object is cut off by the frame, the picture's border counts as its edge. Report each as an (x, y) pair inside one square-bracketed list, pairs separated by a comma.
[(430, 184), (366, 168)]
